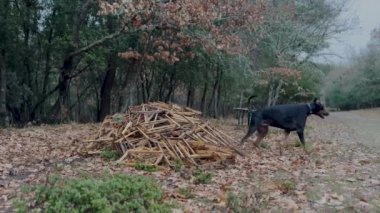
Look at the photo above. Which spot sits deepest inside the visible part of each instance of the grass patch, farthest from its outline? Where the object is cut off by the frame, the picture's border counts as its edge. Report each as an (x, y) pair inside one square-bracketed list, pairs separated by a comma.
[(145, 167), (110, 154), (286, 186), (119, 193), (185, 192), (297, 144), (247, 202), (177, 165), (202, 177), (314, 194), (264, 145)]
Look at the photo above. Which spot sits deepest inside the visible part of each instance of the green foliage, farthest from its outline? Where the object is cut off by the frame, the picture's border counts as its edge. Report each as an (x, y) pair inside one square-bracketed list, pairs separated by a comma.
[(286, 186), (145, 167), (186, 192), (297, 144), (258, 201), (110, 154), (178, 164), (119, 193), (202, 177)]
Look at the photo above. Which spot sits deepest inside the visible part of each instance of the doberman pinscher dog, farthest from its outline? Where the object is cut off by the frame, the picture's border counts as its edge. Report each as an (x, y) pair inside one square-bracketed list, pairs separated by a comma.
[(289, 117)]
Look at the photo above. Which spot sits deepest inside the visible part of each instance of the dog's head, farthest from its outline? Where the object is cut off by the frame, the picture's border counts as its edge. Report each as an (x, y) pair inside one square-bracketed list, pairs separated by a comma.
[(317, 108)]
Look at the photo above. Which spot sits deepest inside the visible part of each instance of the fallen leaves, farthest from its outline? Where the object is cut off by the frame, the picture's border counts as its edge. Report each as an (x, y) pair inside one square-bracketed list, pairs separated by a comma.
[(334, 176)]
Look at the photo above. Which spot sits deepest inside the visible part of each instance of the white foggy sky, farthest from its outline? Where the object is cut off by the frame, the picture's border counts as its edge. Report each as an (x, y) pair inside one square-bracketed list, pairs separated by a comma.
[(367, 13)]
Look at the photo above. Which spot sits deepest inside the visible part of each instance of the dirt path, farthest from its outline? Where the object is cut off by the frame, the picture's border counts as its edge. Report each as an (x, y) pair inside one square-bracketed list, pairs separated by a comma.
[(364, 123)]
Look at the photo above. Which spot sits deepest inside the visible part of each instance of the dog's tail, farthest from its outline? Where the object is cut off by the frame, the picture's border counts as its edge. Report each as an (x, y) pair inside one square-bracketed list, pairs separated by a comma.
[(249, 100), (253, 118)]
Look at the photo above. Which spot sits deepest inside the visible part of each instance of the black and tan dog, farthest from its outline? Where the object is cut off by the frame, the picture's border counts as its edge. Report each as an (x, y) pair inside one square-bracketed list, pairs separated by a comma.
[(289, 117)]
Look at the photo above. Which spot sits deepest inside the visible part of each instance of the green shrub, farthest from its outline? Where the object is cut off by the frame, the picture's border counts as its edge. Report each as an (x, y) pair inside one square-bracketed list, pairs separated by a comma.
[(286, 186), (186, 192), (119, 193), (110, 154), (297, 144), (177, 165), (145, 167), (202, 177), (244, 202)]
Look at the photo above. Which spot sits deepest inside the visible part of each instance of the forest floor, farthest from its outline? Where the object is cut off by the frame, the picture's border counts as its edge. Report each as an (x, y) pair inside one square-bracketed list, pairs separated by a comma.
[(342, 173)]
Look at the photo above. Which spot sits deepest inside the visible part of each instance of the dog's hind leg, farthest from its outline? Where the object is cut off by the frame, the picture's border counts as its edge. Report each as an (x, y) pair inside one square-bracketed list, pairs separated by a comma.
[(282, 142), (262, 131)]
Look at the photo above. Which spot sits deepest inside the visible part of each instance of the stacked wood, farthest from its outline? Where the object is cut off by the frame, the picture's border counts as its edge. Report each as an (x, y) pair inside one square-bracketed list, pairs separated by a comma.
[(162, 134)]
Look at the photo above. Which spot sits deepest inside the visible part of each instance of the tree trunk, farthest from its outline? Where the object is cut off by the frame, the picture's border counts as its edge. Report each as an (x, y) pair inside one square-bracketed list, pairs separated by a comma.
[(274, 92), (203, 100), (213, 104), (190, 96), (4, 9), (172, 85), (3, 86), (218, 97), (213, 97), (277, 92), (270, 94), (60, 108), (47, 64), (105, 91)]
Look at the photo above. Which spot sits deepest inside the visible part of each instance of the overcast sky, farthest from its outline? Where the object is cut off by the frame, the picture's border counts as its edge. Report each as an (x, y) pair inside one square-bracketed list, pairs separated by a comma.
[(367, 15)]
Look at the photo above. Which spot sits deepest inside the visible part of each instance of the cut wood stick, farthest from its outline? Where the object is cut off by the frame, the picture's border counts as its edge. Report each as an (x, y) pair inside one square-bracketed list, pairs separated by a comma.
[(159, 159), (99, 140), (163, 155), (147, 112), (143, 133), (195, 156), (188, 146), (212, 140), (131, 133), (144, 151), (169, 118), (126, 128), (225, 135), (208, 132), (121, 145), (155, 118), (161, 129), (194, 111), (171, 152), (161, 120), (179, 151), (151, 116), (187, 154), (123, 157)]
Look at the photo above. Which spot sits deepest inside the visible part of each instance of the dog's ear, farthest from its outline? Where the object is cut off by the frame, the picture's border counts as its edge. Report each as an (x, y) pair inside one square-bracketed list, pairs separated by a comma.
[(316, 101)]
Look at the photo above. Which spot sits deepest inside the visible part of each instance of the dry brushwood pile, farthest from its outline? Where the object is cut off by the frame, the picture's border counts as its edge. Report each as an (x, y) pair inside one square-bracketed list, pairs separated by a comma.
[(162, 134)]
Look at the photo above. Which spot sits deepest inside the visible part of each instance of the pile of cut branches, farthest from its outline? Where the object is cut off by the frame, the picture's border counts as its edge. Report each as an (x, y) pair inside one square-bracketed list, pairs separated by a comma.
[(162, 134)]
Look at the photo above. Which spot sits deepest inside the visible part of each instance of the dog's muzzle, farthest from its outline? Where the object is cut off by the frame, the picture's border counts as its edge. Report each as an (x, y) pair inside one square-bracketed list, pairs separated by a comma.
[(322, 114)]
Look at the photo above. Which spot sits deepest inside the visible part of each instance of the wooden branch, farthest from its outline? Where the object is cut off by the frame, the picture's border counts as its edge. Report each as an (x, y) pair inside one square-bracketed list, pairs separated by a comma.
[(95, 43)]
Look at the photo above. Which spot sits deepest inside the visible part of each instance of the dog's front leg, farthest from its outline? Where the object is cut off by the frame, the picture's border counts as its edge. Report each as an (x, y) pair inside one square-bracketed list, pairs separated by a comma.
[(250, 132)]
